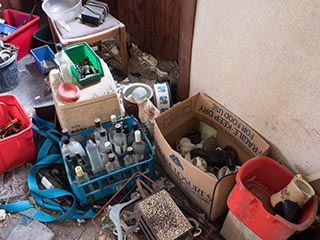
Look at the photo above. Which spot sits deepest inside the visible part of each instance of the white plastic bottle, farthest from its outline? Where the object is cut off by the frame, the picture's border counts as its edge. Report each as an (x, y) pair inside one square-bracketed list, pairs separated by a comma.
[(64, 63)]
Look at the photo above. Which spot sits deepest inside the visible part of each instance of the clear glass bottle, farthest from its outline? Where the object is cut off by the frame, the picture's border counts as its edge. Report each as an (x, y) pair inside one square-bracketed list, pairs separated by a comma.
[(80, 161), (112, 129), (94, 157), (130, 158), (119, 140), (82, 177), (139, 146), (112, 163), (72, 147), (98, 129), (103, 140), (130, 137), (77, 146), (64, 63)]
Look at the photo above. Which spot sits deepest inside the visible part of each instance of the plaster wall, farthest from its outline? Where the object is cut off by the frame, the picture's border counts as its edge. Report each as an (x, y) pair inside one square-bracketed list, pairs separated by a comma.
[(261, 59)]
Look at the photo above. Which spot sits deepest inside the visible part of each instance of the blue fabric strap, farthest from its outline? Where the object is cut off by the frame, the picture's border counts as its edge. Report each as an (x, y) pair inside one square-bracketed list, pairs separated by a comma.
[(47, 198)]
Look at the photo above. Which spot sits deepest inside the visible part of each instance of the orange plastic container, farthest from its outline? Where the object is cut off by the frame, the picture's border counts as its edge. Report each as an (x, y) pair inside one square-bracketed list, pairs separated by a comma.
[(19, 148), (26, 25), (249, 200)]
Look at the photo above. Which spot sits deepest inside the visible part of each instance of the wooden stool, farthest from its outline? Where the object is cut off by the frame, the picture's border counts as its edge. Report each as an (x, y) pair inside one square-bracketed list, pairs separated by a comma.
[(75, 31)]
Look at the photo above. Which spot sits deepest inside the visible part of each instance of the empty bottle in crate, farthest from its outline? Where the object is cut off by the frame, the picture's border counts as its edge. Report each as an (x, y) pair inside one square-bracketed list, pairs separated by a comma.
[(96, 162), (130, 158), (103, 140), (112, 164), (98, 130), (82, 177), (71, 147), (112, 129), (119, 140), (130, 137), (139, 146)]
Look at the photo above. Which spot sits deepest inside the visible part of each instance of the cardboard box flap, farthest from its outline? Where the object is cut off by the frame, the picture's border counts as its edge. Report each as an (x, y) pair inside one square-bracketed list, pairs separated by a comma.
[(182, 112)]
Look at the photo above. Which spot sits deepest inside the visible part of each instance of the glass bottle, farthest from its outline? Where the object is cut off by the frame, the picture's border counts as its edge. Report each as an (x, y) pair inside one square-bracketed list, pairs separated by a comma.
[(112, 129), (103, 140), (98, 129), (71, 147), (64, 63), (82, 177), (119, 140), (129, 158), (112, 163), (130, 137), (139, 146), (80, 161), (94, 157)]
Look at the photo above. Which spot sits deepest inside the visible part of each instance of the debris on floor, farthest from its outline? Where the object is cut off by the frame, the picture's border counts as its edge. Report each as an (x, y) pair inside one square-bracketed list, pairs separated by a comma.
[(33, 231)]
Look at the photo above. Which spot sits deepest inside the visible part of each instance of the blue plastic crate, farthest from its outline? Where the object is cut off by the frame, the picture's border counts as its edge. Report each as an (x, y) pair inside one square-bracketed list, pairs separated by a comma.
[(44, 57), (106, 184), (6, 29)]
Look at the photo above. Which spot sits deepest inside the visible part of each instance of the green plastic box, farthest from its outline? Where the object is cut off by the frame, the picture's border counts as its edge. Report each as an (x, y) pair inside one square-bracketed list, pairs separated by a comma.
[(78, 52)]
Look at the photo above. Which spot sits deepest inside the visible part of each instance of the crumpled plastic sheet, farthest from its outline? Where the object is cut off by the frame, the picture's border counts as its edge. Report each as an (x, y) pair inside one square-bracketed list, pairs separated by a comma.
[(14, 184)]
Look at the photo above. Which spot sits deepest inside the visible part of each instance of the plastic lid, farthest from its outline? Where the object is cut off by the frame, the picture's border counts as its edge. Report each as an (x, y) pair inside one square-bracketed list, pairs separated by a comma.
[(69, 92), (79, 171)]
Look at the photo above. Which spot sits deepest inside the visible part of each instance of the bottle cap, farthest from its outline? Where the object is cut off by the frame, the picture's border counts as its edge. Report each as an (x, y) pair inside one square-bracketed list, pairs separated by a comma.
[(118, 127), (111, 157), (113, 118), (130, 150), (97, 122), (58, 47), (134, 125), (79, 171), (137, 136), (65, 132), (102, 133), (107, 145), (65, 139)]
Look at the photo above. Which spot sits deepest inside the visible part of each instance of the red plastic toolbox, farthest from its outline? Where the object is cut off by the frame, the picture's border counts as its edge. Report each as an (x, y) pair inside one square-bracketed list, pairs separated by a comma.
[(26, 25), (18, 148)]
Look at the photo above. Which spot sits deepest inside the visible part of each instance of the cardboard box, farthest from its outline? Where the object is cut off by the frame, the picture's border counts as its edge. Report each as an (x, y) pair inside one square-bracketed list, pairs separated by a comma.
[(233, 228), (99, 99), (201, 188)]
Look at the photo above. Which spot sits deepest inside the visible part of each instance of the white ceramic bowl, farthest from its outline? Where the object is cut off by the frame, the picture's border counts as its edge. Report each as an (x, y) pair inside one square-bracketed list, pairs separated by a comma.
[(62, 10)]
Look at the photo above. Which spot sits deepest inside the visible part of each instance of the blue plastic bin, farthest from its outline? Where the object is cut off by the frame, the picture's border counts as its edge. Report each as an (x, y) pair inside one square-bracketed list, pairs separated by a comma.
[(6, 29), (106, 184), (41, 54)]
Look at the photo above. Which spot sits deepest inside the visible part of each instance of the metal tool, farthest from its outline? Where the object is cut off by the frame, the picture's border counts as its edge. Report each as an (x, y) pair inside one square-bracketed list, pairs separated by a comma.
[(115, 211)]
